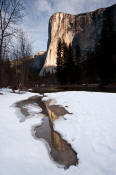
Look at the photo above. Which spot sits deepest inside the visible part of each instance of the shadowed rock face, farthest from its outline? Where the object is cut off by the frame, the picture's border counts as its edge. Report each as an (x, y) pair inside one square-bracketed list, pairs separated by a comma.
[(38, 61), (83, 30), (35, 62)]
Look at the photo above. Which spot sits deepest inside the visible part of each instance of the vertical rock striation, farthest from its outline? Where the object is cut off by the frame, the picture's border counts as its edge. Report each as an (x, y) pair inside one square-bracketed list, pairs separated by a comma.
[(83, 30)]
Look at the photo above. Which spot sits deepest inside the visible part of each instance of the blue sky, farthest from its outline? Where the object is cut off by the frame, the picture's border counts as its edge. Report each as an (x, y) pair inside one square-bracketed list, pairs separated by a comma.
[(38, 12)]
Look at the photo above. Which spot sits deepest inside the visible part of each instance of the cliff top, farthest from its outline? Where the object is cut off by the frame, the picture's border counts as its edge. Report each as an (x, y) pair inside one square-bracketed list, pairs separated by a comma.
[(80, 14)]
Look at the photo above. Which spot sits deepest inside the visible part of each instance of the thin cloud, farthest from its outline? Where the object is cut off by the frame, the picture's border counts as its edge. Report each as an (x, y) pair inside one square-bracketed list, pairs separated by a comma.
[(39, 12), (71, 6), (44, 6)]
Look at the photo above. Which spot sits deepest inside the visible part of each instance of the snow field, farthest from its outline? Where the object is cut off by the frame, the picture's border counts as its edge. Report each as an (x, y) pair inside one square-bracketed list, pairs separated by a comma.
[(90, 129)]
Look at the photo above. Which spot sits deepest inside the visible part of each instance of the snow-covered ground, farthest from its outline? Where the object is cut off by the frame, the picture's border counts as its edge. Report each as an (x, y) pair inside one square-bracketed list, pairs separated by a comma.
[(91, 130)]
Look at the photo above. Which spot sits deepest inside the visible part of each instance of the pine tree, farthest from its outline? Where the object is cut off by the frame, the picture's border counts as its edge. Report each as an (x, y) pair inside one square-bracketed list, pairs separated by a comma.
[(70, 65), (64, 61), (76, 58), (59, 60)]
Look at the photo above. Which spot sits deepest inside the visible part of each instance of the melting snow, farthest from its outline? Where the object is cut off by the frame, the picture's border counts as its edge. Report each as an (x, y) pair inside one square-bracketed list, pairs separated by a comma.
[(91, 130)]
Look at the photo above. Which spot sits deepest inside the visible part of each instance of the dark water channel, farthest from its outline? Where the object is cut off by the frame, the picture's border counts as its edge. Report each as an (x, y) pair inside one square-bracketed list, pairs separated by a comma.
[(60, 151)]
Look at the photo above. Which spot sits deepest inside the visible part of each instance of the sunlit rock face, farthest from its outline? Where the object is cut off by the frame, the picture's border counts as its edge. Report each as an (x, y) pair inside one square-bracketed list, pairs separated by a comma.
[(83, 30)]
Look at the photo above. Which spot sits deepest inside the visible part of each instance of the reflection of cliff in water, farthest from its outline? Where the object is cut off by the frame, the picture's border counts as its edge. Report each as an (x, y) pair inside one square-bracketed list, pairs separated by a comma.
[(60, 150)]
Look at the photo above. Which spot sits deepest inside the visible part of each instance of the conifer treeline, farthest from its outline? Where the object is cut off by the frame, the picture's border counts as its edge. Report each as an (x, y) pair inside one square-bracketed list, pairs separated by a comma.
[(67, 64), (99, 65)]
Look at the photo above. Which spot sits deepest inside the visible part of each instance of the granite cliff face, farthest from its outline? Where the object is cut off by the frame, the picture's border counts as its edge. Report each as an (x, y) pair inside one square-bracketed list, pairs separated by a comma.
[(35, 62), (38, 61), (83, 30)]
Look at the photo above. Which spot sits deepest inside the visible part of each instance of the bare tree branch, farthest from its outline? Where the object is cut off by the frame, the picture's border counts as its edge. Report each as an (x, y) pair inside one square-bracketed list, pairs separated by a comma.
[(11, 12)]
